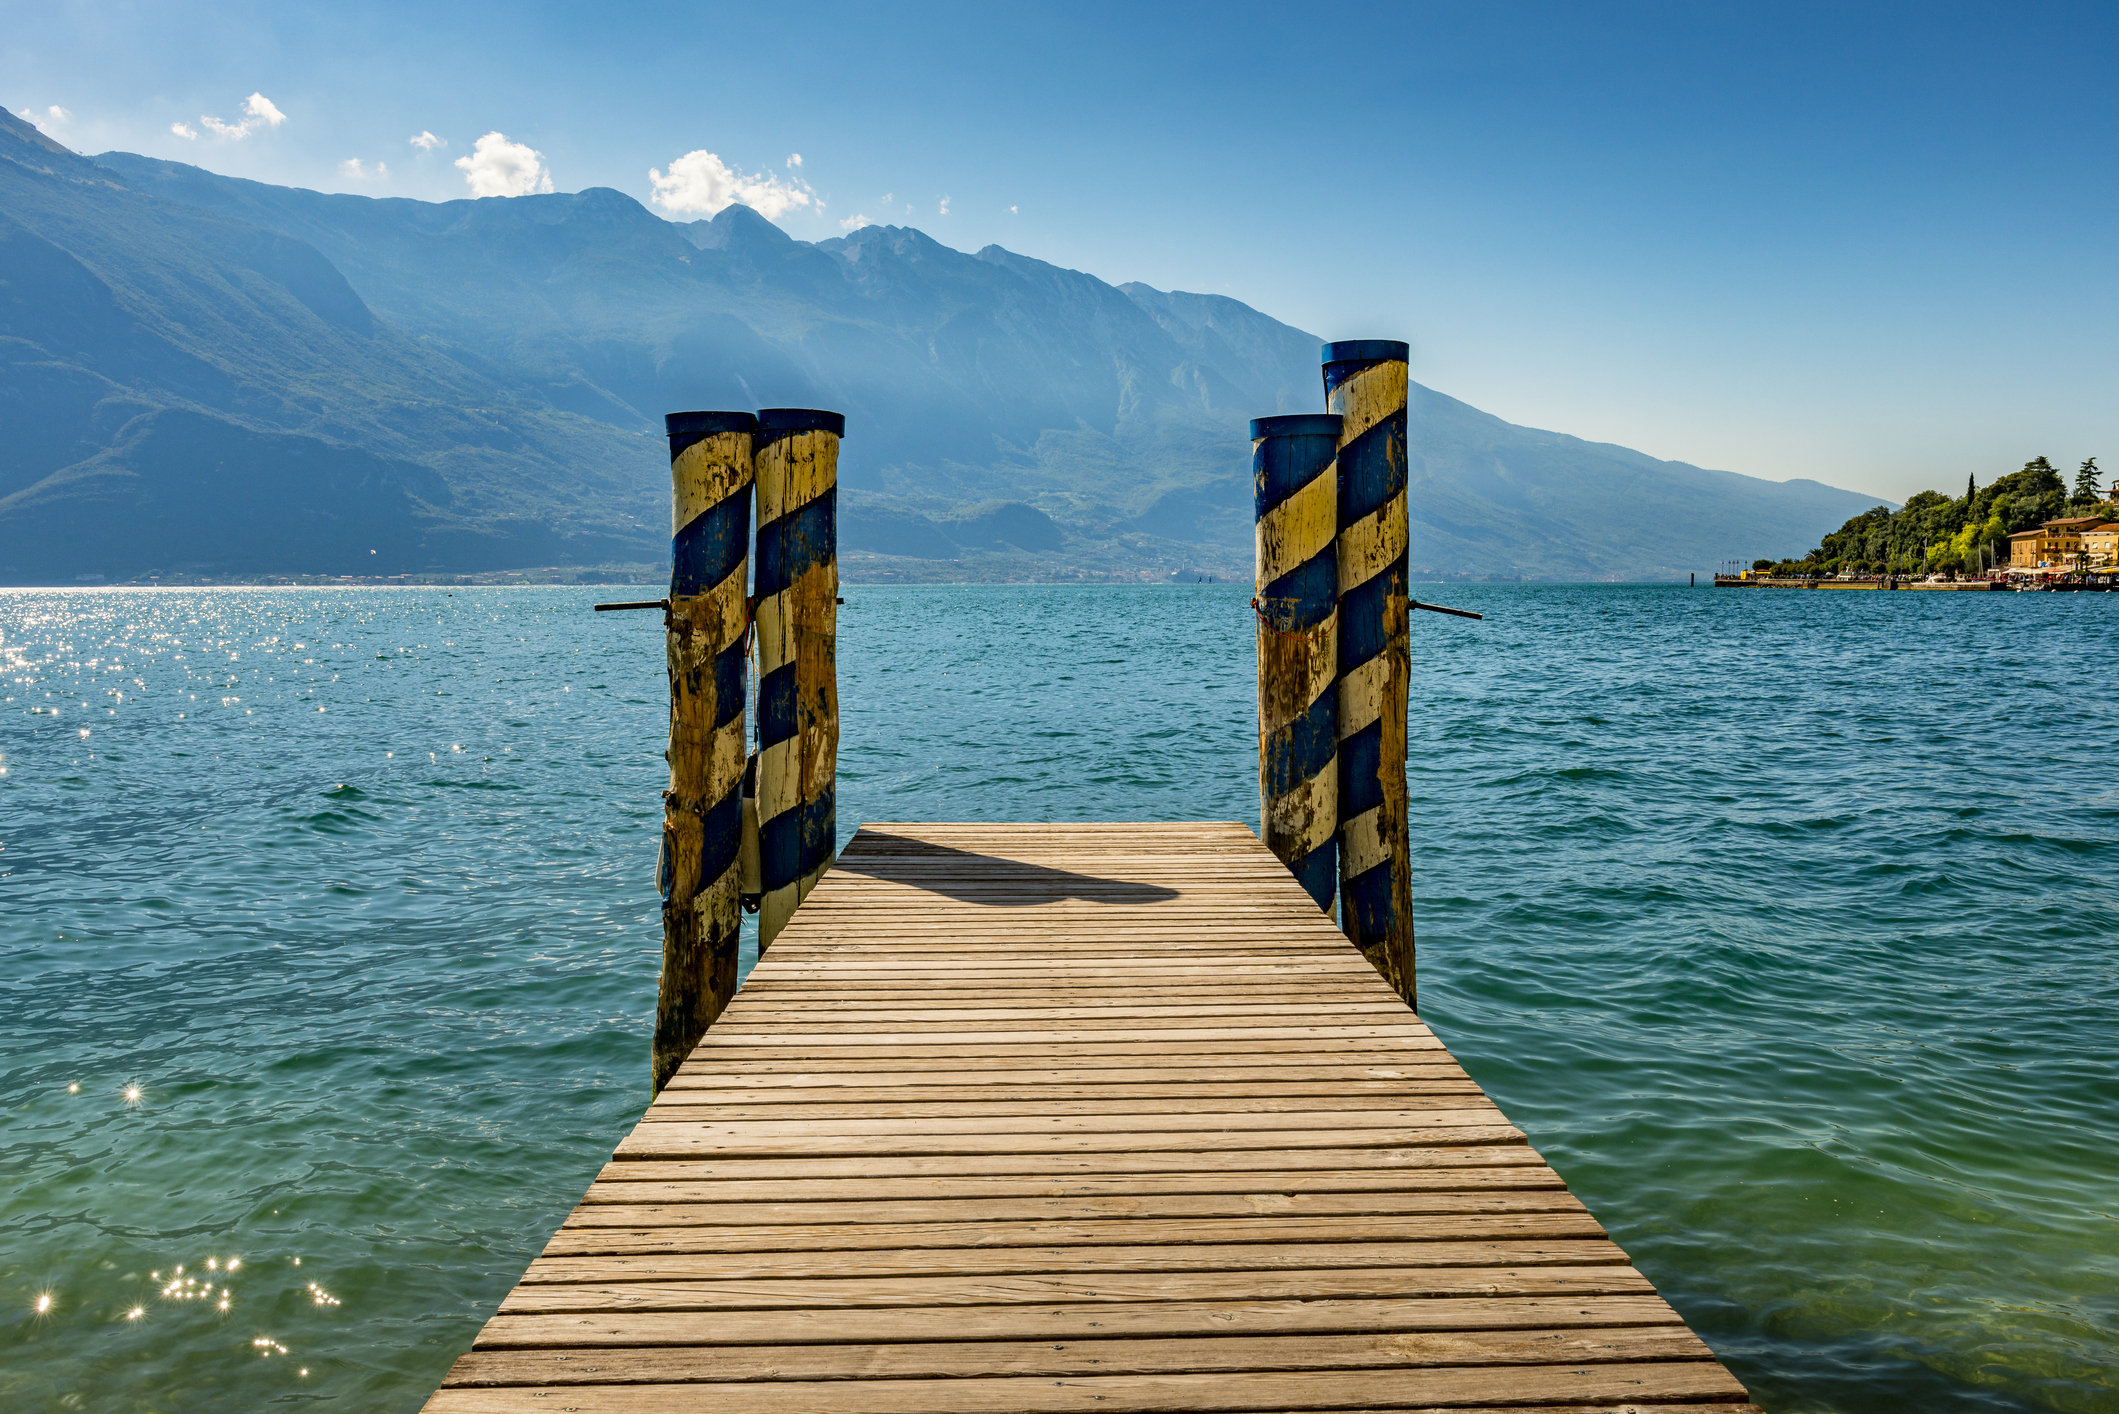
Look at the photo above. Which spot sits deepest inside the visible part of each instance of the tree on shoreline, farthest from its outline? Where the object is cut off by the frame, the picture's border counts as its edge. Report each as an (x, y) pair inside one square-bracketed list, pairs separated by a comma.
[(1941, 532)]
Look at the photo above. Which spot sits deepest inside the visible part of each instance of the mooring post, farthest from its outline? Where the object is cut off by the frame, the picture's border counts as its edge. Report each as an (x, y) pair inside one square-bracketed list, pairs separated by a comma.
[(1296, 498), (702, 817), (798, 687), (1365, 383)]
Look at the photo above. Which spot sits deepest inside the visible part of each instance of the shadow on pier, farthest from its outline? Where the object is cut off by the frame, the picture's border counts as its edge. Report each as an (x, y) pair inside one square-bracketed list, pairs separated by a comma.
[(986, 879)]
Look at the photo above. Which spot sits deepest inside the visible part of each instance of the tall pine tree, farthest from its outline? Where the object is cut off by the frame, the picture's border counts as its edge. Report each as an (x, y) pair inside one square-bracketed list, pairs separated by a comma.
[(2086, 483)]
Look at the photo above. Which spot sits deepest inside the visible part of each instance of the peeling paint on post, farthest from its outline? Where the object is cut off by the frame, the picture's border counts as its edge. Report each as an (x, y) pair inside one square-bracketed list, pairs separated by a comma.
[(798, 626), (1365, 383), (1295, 493), (702, 818)]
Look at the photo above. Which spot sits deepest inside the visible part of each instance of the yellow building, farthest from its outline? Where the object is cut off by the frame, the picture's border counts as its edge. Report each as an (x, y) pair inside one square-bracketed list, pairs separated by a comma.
[(2053, 545), (2101, 544)]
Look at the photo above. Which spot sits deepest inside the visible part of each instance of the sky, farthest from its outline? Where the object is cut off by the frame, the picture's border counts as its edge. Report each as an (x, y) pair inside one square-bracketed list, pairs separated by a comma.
[(1872, 245)]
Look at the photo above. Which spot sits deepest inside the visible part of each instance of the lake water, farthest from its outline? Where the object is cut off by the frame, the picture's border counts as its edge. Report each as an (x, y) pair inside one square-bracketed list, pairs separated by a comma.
[(1784, 922)]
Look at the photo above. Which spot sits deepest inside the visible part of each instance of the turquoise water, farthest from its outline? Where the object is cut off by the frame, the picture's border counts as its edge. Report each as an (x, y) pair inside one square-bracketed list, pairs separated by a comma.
[(1783, 922)]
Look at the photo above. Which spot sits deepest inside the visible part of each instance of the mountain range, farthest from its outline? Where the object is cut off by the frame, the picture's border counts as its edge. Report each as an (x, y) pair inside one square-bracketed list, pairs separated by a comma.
[(202, 375)]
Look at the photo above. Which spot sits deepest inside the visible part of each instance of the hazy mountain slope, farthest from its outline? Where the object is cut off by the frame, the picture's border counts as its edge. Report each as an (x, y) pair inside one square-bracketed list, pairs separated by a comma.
[(997, 405), (182, 390)]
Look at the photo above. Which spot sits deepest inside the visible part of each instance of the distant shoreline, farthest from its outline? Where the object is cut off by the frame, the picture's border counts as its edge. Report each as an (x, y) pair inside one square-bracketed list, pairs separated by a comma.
[(2094, 584), (855, 569)]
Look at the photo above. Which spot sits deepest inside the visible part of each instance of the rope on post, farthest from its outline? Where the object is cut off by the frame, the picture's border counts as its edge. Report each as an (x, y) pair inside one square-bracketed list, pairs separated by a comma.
[(1365, 382), (1294, 490), (798, 694), (707, 617)]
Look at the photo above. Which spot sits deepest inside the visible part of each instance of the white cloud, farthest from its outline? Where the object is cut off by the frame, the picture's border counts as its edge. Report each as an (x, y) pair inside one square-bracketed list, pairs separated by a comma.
[(351, 167), (887, 196), (260, 113), (497, 167), (1011, 211), (185, 130), (945, 206), (58, 114), (701, 183), (427, 142), (855, 223), (794, 159)]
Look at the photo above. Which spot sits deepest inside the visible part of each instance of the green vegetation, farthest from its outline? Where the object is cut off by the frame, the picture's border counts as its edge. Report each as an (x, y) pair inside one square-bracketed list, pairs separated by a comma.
[(1937, 532)]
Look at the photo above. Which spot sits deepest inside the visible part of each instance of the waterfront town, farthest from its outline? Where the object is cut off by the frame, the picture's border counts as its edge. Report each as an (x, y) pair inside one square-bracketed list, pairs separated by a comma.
[(2026, 530)]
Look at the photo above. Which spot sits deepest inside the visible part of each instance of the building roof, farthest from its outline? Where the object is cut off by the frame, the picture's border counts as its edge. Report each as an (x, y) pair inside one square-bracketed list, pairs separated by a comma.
[(2029, 534), (2070, 523)]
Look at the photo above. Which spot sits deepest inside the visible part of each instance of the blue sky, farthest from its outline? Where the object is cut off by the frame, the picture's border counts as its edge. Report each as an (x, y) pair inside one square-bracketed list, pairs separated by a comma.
[(1873, 245)]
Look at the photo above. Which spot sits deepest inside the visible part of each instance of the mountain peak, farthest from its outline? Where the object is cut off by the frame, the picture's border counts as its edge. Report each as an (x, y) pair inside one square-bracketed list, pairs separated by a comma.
[(737, 228)]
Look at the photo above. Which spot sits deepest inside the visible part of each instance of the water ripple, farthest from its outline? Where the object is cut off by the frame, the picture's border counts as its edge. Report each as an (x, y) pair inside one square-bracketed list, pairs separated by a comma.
[(1782, 922)]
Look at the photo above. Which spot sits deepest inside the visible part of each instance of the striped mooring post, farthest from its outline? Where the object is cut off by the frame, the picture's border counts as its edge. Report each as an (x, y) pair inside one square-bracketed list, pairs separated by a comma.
[(798, 624), (702, 817), (1296, 497), (1365, 383)]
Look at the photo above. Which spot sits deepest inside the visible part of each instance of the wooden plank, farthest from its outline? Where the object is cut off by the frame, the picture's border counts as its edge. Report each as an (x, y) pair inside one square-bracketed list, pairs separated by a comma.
[(1022, 1118), (1085, 1261), (946, 1359), (678, 1140), (1406, 1387), (1086, 1064), (710, 1183), (659, 1233), (1294, 1076), (1011, 1288), (1189, 1206), (1327, 1011), (888, 1104), (1126, 1038), (1201, 1164), (1071, 1321), (1458, 1111)]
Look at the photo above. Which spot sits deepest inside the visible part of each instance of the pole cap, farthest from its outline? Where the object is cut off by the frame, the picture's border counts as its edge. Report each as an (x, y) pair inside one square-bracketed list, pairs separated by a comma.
[(801, 420), (1298, 424), (1366, 351), (706, 424)]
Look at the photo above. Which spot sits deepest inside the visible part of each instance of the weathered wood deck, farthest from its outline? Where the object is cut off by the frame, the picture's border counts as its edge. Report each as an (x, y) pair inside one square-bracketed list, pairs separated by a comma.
[(1025, 1118)]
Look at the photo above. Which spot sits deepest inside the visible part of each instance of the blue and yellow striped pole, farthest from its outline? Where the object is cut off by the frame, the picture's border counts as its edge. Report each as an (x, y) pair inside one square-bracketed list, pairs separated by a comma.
[(1295, 494), (1365, 383), (702, 818), (798, 624)]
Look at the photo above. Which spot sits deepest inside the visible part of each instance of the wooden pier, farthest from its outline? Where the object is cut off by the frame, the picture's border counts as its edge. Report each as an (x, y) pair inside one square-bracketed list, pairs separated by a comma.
[(1023, 1118)]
